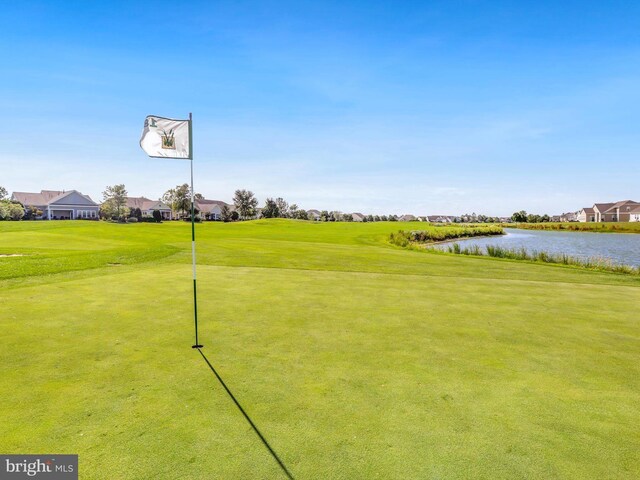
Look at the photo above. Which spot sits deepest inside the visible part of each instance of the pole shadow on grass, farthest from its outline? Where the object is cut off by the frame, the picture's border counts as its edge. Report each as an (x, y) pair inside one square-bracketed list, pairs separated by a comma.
[(253, 426)]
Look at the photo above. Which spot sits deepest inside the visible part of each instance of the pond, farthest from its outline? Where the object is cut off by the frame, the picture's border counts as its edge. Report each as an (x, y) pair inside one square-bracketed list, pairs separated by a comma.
[(621, 248)]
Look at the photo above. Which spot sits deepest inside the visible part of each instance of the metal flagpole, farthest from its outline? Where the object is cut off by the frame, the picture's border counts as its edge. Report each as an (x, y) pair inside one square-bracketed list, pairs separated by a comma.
[(193, 237)]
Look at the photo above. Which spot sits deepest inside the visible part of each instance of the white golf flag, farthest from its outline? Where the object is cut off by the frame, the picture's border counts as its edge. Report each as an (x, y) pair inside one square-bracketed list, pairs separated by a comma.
[(165, 137)]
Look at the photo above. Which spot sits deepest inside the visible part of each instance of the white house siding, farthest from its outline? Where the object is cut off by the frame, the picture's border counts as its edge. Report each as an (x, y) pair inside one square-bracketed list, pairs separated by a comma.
[(71, 207), (69, 212), (585, 216)]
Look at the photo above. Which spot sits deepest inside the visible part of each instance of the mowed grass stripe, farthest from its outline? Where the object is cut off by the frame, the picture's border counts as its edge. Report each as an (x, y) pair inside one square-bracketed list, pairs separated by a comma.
[(350, 375)]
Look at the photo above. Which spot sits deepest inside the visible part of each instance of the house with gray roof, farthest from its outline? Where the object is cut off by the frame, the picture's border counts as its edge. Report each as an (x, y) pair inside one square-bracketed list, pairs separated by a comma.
[(59, 204)]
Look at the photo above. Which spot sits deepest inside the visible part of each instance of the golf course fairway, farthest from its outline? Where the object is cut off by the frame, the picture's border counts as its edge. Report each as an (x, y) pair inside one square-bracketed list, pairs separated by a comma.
[(356, 359)]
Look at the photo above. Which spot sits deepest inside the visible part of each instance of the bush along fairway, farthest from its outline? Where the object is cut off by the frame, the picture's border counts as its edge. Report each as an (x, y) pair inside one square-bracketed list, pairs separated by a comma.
[(438, 233), (356, 358)]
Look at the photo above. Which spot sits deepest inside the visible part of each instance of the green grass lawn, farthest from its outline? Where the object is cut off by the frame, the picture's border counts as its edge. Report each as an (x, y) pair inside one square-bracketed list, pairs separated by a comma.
[(357, 359)]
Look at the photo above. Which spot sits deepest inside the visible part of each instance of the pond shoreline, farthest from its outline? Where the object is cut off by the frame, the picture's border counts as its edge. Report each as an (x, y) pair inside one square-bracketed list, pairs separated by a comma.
[(613, 248), (579, 227), (458, 239)]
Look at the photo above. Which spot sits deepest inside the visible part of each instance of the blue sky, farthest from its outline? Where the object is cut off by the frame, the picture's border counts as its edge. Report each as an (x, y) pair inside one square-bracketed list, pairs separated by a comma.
[(381, 107)]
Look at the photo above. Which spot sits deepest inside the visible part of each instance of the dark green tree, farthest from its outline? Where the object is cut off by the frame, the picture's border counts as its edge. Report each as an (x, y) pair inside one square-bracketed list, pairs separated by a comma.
[(270, 209), (225, 213), (519, 217), (115, 198)]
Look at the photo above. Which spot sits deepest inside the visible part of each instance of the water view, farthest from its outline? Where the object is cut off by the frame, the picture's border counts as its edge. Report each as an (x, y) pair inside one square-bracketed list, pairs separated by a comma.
[(620, 248)]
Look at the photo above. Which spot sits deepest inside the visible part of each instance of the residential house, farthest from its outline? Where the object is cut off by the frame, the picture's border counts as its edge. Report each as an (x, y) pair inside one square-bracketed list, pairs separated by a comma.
[(407, 218), (569, 217), (358, 217), (147, 207), (587, 214), (212, 209), (313, 214), (621, 210), (601, 210), (59, 205), (634, 214), (614, 212), (439, 219)]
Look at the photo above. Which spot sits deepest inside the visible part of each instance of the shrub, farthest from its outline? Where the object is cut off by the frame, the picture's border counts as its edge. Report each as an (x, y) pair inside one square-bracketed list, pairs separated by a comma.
[(442, 233), (11, 211), (132, 220)]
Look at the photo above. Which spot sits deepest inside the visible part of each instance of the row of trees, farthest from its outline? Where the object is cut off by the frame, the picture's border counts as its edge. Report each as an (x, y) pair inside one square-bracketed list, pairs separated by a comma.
[(524, 217), (114, 203), (114, 207)]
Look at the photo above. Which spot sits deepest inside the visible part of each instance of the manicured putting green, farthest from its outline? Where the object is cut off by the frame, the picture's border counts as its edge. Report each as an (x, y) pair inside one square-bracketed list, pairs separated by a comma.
[(355, 358)]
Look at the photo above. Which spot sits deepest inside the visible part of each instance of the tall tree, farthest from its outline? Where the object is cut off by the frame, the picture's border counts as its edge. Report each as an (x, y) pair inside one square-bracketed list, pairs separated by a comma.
[(270, 209), (225, 213), (283, 207), (3, 193), (519, 217), (293, 211), (180, 198), (115, 198), (246, 203)]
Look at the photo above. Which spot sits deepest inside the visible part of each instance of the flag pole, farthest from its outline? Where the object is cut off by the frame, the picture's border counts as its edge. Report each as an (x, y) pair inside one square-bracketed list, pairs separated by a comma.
[(193, 237)]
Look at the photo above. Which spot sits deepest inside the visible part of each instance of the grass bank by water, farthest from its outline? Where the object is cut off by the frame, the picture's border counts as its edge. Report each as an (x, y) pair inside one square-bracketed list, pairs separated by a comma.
[(602, 227), (496, 251)]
